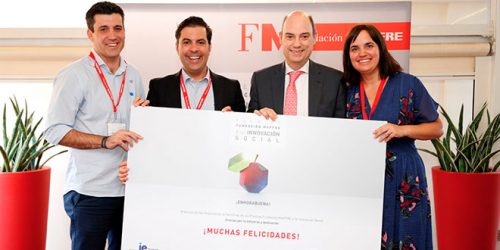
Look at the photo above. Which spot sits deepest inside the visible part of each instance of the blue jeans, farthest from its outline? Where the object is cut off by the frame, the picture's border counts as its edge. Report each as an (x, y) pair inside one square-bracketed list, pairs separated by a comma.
[(93, 220)]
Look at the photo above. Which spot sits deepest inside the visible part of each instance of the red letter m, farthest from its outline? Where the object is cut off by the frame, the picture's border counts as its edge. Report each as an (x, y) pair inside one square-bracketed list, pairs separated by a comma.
[(269, 36)]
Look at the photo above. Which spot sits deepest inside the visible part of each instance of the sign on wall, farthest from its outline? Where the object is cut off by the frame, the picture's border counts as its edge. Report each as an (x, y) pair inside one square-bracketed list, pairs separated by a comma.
[(246, 36)]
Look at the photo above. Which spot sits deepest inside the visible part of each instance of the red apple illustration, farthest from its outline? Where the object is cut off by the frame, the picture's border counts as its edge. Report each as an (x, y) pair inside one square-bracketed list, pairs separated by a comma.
[(254, 178)]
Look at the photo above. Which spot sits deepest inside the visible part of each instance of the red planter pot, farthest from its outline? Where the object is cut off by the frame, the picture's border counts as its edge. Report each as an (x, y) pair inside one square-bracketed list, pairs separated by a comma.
[(24, 202), (467, 209)]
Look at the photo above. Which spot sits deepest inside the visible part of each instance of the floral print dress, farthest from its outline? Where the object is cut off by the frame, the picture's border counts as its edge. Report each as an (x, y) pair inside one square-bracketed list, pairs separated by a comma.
[(406, 213)]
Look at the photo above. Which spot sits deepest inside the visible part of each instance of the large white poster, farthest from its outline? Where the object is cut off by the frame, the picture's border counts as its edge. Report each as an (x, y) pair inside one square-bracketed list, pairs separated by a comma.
[(246, 36), (213, 180)]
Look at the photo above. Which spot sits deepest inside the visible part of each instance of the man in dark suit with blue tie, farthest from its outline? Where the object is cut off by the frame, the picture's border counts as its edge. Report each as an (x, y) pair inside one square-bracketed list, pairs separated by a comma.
[(298, 86), (195, 85)]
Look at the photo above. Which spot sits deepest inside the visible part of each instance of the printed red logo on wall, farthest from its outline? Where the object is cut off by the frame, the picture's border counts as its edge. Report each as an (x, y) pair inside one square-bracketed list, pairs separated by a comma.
[(330, 36)]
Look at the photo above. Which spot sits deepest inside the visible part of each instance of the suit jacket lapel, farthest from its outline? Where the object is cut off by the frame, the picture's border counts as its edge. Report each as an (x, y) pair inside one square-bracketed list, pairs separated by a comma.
[(278, 88), (315, 86), (218, 89), (176, 90)]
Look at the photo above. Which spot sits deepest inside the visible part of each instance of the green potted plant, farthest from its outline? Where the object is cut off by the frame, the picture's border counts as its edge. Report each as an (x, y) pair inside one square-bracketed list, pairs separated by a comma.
[(466, 185), (24, 181)]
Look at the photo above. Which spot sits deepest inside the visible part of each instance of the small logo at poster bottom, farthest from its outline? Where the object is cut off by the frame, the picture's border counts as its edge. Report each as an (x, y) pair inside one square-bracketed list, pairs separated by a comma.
[(143, 246)]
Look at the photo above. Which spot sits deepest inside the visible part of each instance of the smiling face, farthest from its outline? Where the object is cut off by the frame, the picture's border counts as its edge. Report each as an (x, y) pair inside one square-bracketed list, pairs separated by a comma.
[(297, 39), (108, 37), (365, 54), (193, 49)]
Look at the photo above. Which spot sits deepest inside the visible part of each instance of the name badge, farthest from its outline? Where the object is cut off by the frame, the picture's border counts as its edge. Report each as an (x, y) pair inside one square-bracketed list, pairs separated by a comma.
[(114, 127)]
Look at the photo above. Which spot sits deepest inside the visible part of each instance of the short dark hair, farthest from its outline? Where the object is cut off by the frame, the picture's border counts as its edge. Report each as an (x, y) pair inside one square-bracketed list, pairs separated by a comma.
[(387, 65), (105, 8), (310, 20), (193, 21)]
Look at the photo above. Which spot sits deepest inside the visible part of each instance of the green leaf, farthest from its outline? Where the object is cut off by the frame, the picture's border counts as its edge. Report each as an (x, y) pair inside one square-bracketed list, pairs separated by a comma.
[(461, 164), (474, 125), (451, 125), (496, 166), (447, 140), (6, 160), (484, 162), (15, 106), (15, 134), (429, 152), (461, 119), (445, 158), (48, 159), (31, 153), (4, 126)]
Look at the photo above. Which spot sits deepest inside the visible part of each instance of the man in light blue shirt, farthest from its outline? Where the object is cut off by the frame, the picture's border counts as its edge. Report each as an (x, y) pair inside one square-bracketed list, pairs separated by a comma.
[(89, 112)]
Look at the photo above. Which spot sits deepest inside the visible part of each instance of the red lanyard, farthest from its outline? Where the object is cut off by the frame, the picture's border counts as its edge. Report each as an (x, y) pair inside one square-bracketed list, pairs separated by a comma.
[(375, 102), (106, 86), (186, 97)]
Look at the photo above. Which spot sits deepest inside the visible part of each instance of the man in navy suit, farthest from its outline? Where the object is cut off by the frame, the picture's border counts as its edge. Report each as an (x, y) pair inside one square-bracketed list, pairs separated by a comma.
[(316, 89), (195, 86)]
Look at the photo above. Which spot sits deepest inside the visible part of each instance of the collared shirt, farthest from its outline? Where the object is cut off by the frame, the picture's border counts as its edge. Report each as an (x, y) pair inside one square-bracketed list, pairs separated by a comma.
[(302, 85), (195, 92), (80, 101)]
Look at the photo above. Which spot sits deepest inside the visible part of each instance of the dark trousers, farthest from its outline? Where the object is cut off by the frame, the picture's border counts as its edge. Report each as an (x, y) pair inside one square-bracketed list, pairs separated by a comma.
[(93, 220)]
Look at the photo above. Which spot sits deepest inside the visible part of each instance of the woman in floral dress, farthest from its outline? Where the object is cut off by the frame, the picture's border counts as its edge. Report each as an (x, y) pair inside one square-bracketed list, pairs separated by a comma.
[(379, 90)]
